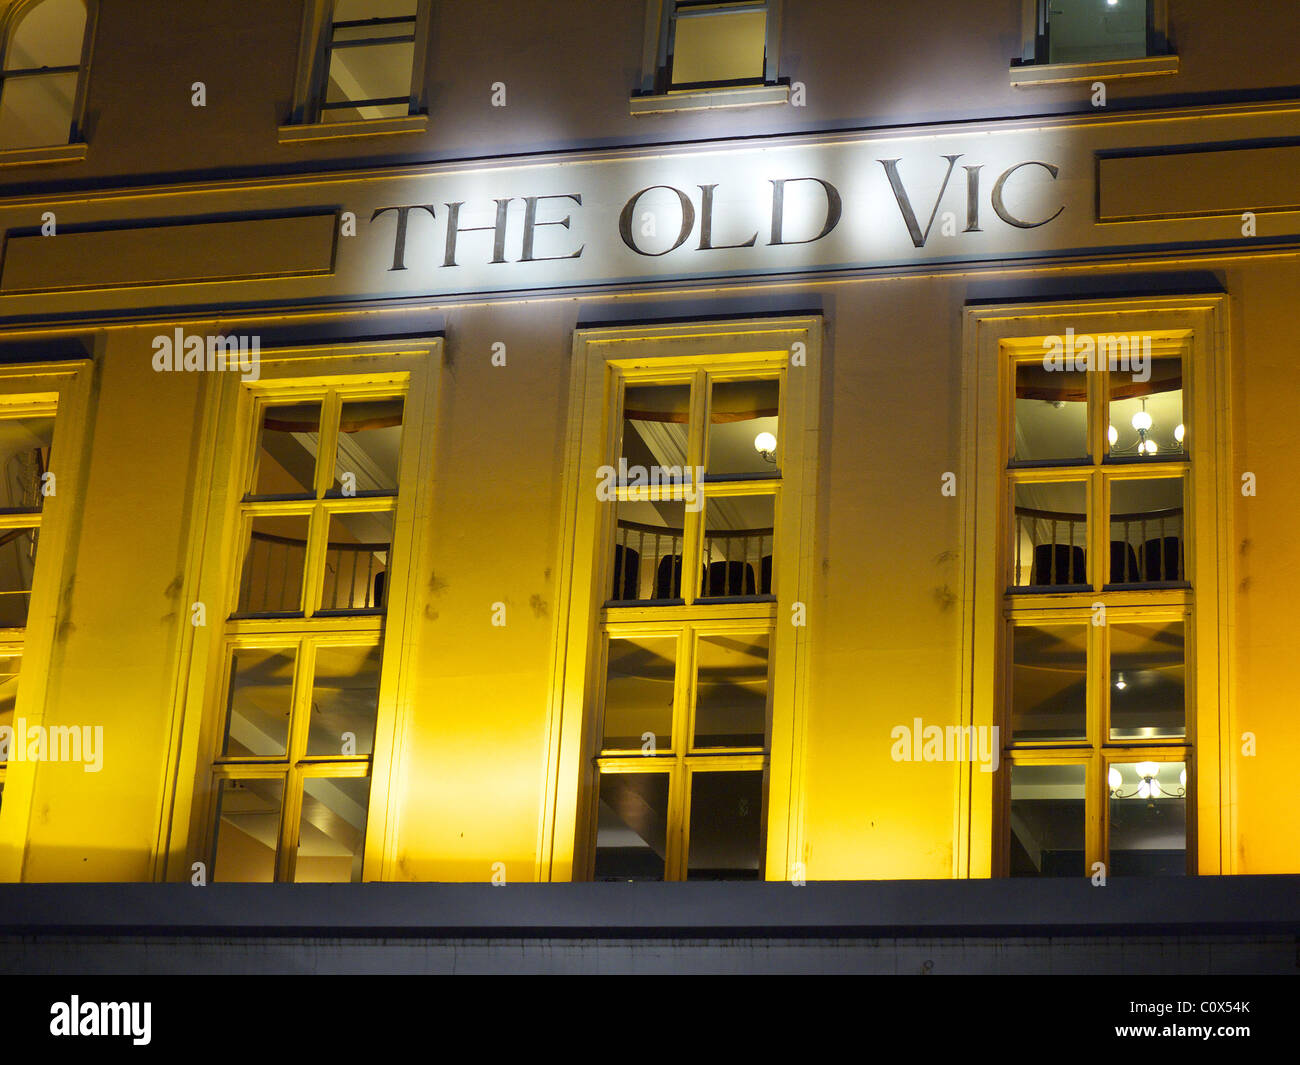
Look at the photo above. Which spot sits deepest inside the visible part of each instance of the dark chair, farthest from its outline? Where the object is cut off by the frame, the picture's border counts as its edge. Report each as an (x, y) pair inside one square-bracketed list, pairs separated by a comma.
[(627, 572), (765, 577), (1070, 567), (728, 578), (1164, 558), (1123, 562), (379, 589), (668, 577)]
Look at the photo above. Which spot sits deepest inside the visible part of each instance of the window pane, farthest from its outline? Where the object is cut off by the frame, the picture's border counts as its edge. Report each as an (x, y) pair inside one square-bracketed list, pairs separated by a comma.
[(287, 441), (1146, 416), (1146, 531), (743, 419), (9, 669), (639, 692), (371, 72), (275, 556), (1049, 682), (370, 439), (739, 546), (654, 436), (1147, 679), (355, 10), (1081, 31), (49, 35), (248, 830), (726, 826), (260, 699), (1148, 819), (37, 110), (632, 826), (24, 459), (344, 699), (356, 562), (719, 46), (647, 561), (17, 567), (1047, 820), (332, 833), (731, 690), (1050, 535), (1051, 414)]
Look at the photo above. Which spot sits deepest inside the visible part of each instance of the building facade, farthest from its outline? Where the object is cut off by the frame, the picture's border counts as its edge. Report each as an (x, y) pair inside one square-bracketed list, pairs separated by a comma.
[(647, 440)]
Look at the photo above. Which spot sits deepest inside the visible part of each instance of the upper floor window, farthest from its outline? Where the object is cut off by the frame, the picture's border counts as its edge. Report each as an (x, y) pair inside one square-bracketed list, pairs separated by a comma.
[(363, 62), (1065, 40), (704, 53), (1090, 31), (46, 55)]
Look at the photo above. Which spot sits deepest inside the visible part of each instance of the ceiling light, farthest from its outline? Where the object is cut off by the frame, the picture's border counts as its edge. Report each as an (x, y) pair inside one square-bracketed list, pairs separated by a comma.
[(1142, 420), (1114, 778), (765, 445), (1112, 434), (1179, 433)]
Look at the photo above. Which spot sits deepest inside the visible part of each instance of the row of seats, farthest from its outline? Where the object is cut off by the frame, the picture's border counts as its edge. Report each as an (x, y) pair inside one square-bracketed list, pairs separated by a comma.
[(717, 579), (1066, 564)]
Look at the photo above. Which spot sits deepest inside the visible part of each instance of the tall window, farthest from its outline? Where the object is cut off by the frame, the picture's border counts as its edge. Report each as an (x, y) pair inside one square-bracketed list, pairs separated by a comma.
[(1089, 31), (301, 679), (688, 627), (681, 676), (1097, 608), (26, 433), (369, 60), (46, 46)]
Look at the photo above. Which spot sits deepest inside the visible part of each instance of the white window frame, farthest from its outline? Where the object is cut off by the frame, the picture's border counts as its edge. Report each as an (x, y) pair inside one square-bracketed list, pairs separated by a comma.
[(656, 95), (305, 123), (1202, 322), (566, 833), (1030, 68), (75, 147)]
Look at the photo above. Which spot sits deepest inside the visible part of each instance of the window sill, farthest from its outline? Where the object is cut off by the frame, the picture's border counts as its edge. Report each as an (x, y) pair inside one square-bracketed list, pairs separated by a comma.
[(55, 153), (1061, 73), (709, 99), (368, 127)]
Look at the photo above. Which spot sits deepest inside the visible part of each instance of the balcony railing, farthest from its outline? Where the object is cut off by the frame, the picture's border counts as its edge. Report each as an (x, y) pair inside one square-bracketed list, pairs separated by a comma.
[(273, 574), (648, 563), (1146, 547)]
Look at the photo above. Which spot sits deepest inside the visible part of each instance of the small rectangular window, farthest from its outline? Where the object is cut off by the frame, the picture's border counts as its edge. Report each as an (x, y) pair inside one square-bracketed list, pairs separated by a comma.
[(710, 53), (363, 61)]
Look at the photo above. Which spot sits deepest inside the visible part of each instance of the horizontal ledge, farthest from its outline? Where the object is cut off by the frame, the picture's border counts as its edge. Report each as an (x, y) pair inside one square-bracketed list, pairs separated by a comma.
[(903, 908), (368, 127), (709, 99), (1060, 73), (56, 153)]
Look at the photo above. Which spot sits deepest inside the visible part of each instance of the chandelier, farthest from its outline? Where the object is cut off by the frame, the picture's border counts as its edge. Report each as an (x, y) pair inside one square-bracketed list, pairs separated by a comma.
[(1149, 784), (1146, 444)]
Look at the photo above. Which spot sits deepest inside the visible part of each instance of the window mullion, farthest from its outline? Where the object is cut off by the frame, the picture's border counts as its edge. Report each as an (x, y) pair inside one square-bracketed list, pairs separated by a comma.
[(693, 531), (287, 861)]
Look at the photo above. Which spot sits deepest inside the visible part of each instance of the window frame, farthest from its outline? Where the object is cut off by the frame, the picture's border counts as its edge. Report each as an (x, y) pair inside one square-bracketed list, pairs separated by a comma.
[(305, 121), (738, 348), (74, 147), (410, 367), (1032, 67), (656, 93), (25, 390), (992, 337)]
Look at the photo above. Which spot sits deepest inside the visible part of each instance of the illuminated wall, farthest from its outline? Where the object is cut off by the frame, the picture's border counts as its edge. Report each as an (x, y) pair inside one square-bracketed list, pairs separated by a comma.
[(888, 597)]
